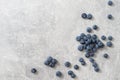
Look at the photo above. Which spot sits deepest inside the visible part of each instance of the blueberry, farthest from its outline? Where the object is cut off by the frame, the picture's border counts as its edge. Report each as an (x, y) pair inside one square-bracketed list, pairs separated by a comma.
[(91, 60), (96, 69), (110, 37), (110, 3), (105, 55), (94, 36), (58, 74), (95, 27), (49, 59), (67, 64), (87, 55), (109, 44), (76, 67), (81, 48), (110, 16), (73, 76), (89, 29), (82, 41), (78, 38), (89, 16), (85, 38), (84, 15), (70, 72), (52, 65), (81, 60), (95, 64), (47, 63), (100, 44), (103, 37), (88, 36), (54, 61), (83, 63), (91, 54), (33, 70)]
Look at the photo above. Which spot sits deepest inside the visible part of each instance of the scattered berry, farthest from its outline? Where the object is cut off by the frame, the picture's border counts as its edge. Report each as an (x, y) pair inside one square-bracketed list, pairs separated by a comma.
[(109, 44), (95, 27), (58, 74), (76, 67), (70, 72), (110, 16), (103, 37), (110, 3), (110, 37), (33, 70), (89, 16), (67, 64), (89, 29), (84, 15), (105, 55)]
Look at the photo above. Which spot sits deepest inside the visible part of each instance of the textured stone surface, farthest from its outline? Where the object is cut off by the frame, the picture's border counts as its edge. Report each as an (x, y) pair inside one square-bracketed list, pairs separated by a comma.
[(32, 30)]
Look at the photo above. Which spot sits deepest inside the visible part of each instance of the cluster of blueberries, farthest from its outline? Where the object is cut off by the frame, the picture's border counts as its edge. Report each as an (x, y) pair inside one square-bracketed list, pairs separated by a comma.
[(89, 43), (51, 62)]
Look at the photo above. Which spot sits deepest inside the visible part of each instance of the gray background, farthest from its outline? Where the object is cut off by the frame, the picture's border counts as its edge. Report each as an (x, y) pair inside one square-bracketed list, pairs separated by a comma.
[(32, 30)]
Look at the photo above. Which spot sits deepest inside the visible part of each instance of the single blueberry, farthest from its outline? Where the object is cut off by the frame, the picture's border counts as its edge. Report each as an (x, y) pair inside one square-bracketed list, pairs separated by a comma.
[(87, 55), (84, 15), (82, 41), (70, 72), (47, 63), (81, 60), (58, 74), (88, 36), (85, 38), (89, 16), (67, 64), (78, 38), (110, 16), (89, 29), (49, 59), (110, 37), (76, 67), (109, 44), (81, 48), (106, 55), (100, 44), (96, 69), (110, 3), (95, 27), (73, 76), (103, 37), (33, 70), (54, 61), (83, 63), (52, 65), (94, 36), (91, 60), (95, 64), (91, 54)]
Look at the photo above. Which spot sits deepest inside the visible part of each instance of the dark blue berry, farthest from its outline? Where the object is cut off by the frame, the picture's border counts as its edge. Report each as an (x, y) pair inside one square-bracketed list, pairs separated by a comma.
[(89, 16), (109, 44), (110, 37), (67, 64), (83, 63), (78, 38), (76, 67), (81, 48), (73, 76), (81, 60), (89, 29), (52, 65), (91, 60), (54, 61), (33, 70), (94, 36), (47, 63), (49, 59), (87, 55), (96, 69), (84, 15), (95, 27), (88, 36), (110, 3), (58, 74), (106, 55), (82, 41), (110, 16), (103, 37), (70, 72), (91, 54), (95, 64)]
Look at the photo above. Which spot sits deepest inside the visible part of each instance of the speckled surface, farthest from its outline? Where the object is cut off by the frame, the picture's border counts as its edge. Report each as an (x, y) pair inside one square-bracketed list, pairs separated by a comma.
[(32, 30)]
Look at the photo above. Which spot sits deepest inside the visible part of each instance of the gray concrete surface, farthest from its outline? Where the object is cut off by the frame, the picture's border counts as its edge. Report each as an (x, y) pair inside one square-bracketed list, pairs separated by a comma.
[(32, 30)]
